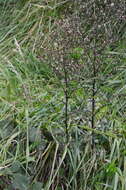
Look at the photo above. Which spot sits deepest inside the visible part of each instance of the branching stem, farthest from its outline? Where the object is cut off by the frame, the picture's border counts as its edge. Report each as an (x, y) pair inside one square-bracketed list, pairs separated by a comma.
[(93, 92), (93, 97), (66, 99)]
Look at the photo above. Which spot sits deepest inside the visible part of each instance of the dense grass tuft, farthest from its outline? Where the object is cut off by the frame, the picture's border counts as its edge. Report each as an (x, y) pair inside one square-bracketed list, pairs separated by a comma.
[(62, 95)]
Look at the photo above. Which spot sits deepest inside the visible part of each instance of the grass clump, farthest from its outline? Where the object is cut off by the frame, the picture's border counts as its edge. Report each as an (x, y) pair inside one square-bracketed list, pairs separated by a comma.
[(62, 95)]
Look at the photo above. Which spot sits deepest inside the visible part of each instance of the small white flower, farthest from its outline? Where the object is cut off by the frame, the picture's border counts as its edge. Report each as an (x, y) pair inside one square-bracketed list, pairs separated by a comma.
[(112, 4), (55, 44)]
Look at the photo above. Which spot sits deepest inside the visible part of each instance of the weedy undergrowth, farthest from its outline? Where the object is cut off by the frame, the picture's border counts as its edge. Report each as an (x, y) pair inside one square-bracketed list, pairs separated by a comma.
[(62, 95)]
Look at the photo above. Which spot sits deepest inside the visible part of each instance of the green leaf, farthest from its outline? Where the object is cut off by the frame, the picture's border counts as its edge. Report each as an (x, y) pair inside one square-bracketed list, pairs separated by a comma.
[(36, 186), (20, 182), (77, 53), (16, 166), (111, 168), (34, 135)]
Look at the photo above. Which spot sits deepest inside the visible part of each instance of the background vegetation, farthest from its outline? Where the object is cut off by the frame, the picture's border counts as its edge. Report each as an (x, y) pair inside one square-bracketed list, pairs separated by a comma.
[(62, 95)]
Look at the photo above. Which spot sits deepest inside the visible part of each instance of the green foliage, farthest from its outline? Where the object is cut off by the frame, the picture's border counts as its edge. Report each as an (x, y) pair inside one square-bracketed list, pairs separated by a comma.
[(48, 48), (111, 169), (77, 53)]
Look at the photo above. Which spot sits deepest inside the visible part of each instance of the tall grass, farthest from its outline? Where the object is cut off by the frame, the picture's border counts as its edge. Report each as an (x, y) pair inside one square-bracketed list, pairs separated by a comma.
[(34, 153)]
